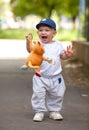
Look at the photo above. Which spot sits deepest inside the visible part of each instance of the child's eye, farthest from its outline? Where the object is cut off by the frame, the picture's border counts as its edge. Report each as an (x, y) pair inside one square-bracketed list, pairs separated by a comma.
[(40, 30), (47, 30)]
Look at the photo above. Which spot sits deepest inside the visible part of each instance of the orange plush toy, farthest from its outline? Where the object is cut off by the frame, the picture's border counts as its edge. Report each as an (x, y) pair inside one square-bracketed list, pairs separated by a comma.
[(35, 58)]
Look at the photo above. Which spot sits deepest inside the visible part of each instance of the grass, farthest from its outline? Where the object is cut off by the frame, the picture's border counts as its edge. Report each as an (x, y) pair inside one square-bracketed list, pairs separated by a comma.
[(66, 35), (20, 34), (15, 33)]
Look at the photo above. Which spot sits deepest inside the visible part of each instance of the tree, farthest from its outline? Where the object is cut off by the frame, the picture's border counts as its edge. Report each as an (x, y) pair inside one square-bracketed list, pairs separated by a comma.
[(87, 20), (44, 8)]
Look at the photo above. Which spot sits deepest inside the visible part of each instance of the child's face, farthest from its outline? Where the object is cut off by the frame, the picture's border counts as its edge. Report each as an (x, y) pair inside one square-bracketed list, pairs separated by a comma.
[(46, 34)]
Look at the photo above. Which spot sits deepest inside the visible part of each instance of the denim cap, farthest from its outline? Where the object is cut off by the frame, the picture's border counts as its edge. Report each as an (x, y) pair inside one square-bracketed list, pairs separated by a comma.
[(46, 22)]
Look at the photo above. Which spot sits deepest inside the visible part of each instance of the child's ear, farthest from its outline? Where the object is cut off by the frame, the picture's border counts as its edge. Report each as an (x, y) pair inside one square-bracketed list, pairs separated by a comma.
[(54, 33)]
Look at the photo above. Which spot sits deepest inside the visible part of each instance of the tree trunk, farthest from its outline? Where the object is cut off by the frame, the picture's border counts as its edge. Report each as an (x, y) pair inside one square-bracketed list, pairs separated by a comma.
[(87, 21)]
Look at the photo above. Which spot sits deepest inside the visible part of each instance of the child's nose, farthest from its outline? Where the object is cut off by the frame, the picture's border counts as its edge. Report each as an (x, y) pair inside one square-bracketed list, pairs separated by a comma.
[(43, 32)]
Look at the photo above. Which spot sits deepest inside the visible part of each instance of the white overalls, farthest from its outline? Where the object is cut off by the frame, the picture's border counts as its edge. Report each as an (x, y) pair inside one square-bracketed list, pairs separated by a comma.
[(50, 83)]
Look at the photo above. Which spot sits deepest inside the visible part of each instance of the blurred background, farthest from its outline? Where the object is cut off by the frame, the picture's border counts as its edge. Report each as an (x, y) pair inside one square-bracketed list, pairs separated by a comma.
[(19, 17)]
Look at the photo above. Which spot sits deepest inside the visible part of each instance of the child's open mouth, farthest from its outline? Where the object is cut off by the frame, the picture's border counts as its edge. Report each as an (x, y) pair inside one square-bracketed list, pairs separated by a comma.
[(44, 37)]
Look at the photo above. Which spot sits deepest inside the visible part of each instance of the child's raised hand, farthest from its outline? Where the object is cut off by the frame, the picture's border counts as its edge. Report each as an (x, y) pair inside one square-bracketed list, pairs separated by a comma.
[(69, 52), (29, 36)]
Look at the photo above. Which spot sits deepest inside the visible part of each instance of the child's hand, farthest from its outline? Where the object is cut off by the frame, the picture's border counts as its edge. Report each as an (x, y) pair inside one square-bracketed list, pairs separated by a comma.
[(69, 52), (29, 36), (51, 61)]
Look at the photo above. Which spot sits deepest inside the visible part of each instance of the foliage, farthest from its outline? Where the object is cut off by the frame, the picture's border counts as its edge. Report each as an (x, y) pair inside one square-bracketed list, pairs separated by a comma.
[(86, 29), (20, 34), (44, 8), (15, 33), (71, 7)]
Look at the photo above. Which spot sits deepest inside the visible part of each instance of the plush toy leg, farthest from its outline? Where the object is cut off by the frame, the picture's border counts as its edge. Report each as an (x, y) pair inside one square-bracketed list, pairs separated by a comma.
[(38, 72), (31, 66), (24, 67)]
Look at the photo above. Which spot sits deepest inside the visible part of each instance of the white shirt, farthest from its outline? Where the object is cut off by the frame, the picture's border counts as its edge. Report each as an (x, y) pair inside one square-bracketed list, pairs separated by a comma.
[(53, 51)]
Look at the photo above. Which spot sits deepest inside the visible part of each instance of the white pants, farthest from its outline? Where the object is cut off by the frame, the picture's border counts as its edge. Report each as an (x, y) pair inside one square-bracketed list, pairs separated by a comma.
[(54, 88)]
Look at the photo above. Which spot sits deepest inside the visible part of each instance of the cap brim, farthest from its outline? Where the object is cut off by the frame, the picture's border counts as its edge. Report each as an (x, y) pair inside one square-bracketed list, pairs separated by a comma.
[(42, 24)]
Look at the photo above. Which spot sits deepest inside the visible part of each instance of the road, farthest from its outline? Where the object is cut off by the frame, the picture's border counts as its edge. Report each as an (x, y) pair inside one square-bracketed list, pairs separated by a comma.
[(15, 94)]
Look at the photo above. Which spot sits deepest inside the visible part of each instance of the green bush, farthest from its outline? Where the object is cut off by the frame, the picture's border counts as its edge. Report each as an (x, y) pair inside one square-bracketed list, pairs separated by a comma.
[(15, 33), (21, 33)]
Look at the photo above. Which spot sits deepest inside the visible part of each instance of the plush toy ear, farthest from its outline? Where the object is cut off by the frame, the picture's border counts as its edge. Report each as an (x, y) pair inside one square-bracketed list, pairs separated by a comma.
[(34, 42)]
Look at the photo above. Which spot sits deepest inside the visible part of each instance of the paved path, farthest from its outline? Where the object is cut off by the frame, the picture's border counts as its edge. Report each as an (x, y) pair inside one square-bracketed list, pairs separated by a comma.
[(15, 95)]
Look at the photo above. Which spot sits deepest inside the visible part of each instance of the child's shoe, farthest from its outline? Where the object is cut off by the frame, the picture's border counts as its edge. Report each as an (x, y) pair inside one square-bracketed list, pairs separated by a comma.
[(55, 116), (38, 117)]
